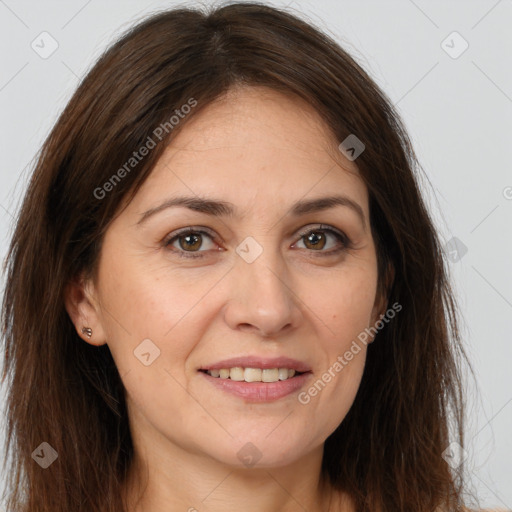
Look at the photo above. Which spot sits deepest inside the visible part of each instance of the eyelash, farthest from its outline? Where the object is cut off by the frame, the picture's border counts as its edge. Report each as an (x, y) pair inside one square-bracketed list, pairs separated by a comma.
[(341, 237)]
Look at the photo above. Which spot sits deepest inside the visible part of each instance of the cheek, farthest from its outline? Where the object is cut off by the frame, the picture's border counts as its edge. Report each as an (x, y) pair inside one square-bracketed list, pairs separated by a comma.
[(331, 394), (150, 302), (342, 302), (343, 307)]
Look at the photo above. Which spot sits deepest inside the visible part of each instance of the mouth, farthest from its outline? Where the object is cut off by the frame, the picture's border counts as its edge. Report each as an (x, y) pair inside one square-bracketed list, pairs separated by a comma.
[(241, 374), (257, 379), (254, 390)]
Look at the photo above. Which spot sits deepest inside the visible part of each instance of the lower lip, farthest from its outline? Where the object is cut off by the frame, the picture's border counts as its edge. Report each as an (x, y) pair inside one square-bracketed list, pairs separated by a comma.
[(259, 391)]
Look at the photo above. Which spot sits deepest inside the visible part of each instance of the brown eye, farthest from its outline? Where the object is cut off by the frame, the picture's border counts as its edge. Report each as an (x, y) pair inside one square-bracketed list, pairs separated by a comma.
[(315, 240), (188, 242), (192, 242)]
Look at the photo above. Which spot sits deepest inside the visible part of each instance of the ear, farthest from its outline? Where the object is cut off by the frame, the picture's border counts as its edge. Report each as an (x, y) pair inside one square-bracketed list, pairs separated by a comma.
[(83, 308), (382, 297)]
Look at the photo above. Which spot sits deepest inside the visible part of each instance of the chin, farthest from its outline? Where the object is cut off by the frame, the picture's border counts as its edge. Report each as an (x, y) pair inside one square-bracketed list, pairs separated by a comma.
[(263, 451)]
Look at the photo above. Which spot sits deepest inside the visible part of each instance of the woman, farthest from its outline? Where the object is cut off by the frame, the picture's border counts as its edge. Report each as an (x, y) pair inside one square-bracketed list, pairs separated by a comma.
[(224, 289)]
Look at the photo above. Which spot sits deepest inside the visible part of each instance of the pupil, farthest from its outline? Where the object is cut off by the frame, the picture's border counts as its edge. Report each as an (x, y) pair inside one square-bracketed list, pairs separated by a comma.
[(191, 237), (314, 238)]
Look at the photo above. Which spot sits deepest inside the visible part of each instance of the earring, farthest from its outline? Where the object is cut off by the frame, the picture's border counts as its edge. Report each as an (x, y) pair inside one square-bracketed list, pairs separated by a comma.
[(87, 330)]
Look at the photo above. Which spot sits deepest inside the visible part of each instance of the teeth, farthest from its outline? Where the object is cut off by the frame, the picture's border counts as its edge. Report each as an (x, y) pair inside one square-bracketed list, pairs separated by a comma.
[(269, 375), (253, 374), (283, 373), (236, 373)]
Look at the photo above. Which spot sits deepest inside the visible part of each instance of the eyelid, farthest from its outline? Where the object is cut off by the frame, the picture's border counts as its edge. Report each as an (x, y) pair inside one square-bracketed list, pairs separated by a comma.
[(322, 227), (191, 229)]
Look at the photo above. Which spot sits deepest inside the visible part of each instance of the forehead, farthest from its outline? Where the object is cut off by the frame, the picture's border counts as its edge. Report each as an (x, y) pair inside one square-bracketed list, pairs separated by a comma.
[(254, 147)]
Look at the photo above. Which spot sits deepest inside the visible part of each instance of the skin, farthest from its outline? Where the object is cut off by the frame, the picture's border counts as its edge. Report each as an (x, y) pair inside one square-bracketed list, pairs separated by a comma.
[(261, 151)]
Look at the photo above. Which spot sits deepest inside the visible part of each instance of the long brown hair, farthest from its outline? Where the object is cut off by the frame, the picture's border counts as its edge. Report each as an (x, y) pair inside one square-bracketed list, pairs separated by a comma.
[(387, 452)]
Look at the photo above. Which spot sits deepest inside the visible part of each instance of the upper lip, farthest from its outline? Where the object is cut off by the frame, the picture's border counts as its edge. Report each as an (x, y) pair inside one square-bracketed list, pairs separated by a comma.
[(259, 362)]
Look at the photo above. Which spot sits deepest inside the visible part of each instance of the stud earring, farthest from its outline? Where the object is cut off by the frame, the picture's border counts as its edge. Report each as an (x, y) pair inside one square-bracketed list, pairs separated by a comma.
[(87, 331)]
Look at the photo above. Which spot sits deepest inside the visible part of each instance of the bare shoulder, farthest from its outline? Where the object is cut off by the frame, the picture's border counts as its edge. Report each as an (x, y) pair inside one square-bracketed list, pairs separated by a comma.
[(466, 509), (496, 510), (487, 510)]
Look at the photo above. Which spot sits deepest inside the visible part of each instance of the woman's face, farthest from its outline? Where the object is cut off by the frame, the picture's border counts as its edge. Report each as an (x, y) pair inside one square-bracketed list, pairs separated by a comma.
[(270, 281)]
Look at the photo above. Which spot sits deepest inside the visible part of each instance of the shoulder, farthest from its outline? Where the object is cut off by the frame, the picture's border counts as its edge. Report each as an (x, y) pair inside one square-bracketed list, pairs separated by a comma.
[(466, 509), (486, 510)]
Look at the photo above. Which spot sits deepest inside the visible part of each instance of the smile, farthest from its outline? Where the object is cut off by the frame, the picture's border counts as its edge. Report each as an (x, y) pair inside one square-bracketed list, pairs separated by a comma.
[(250, 385), (253, 374)]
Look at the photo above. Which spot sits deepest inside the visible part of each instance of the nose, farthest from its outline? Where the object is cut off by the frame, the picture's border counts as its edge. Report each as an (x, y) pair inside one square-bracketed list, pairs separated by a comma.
[(262, 299)]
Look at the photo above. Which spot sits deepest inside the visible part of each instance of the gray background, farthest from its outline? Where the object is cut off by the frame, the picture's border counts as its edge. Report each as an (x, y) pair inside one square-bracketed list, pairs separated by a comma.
[(457, 108)]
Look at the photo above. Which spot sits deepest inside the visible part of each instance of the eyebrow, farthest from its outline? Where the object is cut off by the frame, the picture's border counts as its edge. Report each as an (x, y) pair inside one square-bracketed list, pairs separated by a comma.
[(219, 208)]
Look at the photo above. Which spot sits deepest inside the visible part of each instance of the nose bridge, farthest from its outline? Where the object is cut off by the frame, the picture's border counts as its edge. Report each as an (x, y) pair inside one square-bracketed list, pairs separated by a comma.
[(261, 294)]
